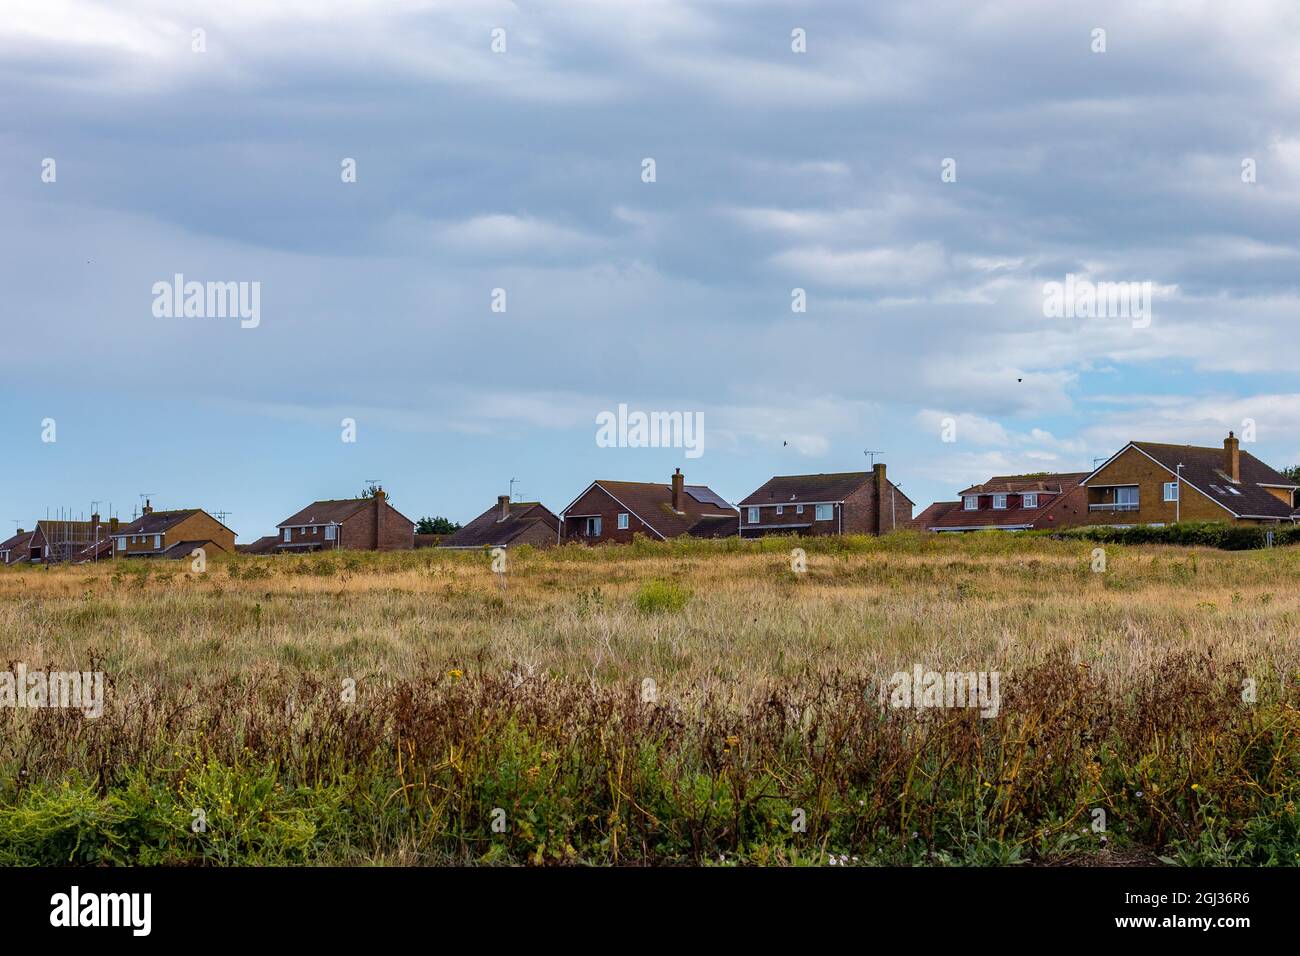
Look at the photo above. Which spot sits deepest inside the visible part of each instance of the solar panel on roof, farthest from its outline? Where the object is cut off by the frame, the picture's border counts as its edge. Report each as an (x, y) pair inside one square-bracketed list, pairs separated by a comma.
[(705, 495)]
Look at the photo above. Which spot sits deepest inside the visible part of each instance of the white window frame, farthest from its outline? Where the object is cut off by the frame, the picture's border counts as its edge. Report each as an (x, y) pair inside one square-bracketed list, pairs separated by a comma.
[(157, 541), (1029, 500), (780, 509), (1171, 491), (1003, 505), (824, 513), (798, 509), (288, 535), (121, 543), (331, 532), (1124, 489), (752, 514), (593, 526), (622, 521), (970, 503)]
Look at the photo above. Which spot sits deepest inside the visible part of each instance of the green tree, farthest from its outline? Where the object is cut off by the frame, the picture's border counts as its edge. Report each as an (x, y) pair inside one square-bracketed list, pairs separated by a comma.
[(438, 525)]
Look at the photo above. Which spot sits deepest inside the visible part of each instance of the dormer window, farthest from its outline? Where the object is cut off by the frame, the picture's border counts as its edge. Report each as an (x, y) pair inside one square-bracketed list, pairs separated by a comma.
[(1029, 500), (999, 502), (971, 502)]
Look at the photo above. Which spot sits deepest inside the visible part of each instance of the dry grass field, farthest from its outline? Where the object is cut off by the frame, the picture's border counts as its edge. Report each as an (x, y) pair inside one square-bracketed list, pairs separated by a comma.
[(694, 702)]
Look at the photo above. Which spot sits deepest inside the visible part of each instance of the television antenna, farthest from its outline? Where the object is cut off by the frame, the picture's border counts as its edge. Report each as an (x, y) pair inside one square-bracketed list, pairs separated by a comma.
[(872, 455), (513, 482)]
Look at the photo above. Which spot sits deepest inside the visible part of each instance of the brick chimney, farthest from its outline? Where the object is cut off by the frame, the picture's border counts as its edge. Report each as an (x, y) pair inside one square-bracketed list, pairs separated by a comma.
[(503, 507), (678, 483), (147, 509), (882, 498), (112, 524), (94, 520), (1232, 458), (379, 518)]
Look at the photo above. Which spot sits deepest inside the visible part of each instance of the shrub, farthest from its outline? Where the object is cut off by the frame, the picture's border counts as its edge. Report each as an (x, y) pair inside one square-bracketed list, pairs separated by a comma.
[(661, 596)]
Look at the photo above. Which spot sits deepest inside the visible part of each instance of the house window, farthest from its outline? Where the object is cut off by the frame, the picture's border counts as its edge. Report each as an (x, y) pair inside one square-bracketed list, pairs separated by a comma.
[(622, 521), (331, 532), (753, 516), (971, 503), (780, 509), (1171, 491), (1127, 496), (1029, 501), (121, 544), (824, 512), (798, 509), (593, 527), (1000, 502), (288, 534), (157, 541)]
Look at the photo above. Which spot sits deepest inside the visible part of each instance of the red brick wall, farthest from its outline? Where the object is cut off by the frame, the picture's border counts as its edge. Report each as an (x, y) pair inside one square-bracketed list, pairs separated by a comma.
[(598, 501), (377, 527)]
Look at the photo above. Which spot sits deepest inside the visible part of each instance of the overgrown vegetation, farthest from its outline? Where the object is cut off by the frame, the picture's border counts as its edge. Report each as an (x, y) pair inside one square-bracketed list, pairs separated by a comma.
[(683, 702), (1207, 534)]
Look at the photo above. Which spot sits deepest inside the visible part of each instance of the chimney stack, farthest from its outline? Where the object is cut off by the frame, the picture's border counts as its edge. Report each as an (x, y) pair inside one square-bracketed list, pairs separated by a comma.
[(147, 509), (1232, 458), (379, 518), (112, 524), (503, 506), (882, 494), (94, 520), (678, 483)]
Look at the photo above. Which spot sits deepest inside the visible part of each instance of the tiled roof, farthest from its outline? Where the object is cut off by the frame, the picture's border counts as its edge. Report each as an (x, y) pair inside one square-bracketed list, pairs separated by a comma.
[(784, 489), (1017, 484), (327, 512), (182, 549), (716, 526), (652, 503), (156, 522), (263, 545), (1203, 468), (488, 531), (17, 541), (1055, 491)]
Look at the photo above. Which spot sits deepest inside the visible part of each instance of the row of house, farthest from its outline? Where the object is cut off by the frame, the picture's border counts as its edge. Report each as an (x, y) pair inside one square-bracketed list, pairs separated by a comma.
[(1143, 483)]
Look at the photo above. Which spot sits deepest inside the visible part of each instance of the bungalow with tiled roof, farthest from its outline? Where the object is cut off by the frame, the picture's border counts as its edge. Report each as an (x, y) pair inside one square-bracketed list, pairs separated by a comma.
[(359, 524), (508, 523), (17, 549), (172, 535), (617, 510), (1011, 503), (856, 502), (1154, 483)]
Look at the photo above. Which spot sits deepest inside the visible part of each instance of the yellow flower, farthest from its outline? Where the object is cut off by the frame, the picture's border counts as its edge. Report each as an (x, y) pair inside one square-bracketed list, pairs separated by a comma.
[(733, 741), (456, 674)]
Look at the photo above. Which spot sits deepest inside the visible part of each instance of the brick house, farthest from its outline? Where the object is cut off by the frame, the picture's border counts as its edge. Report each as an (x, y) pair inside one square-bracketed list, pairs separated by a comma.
[(1012, 503), (508, 523), (359, 524), (172, 535), (1153, 483), (856, 502), (17, 549), (617, 510)]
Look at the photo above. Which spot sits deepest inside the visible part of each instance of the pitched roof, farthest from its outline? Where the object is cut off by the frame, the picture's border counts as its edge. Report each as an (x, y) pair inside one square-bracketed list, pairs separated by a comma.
[(653, 504), (1054, 484), (716, 526), (182, 549), (784, 489), (19, 542), (930, 515), (1203, 468), (263, 545), (488, 530), (156, 522), (96, 550), (333, 511)]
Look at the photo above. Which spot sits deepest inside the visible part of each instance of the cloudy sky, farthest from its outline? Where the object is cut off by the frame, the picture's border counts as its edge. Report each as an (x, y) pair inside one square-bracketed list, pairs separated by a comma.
[(522, 170)]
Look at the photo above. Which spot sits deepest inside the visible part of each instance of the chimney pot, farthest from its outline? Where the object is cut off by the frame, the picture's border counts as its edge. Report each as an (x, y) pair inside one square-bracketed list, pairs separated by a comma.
[(503, 507)]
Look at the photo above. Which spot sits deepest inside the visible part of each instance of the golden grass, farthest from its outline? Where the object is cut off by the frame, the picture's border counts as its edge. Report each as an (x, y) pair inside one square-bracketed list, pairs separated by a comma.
[(987, 602)]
